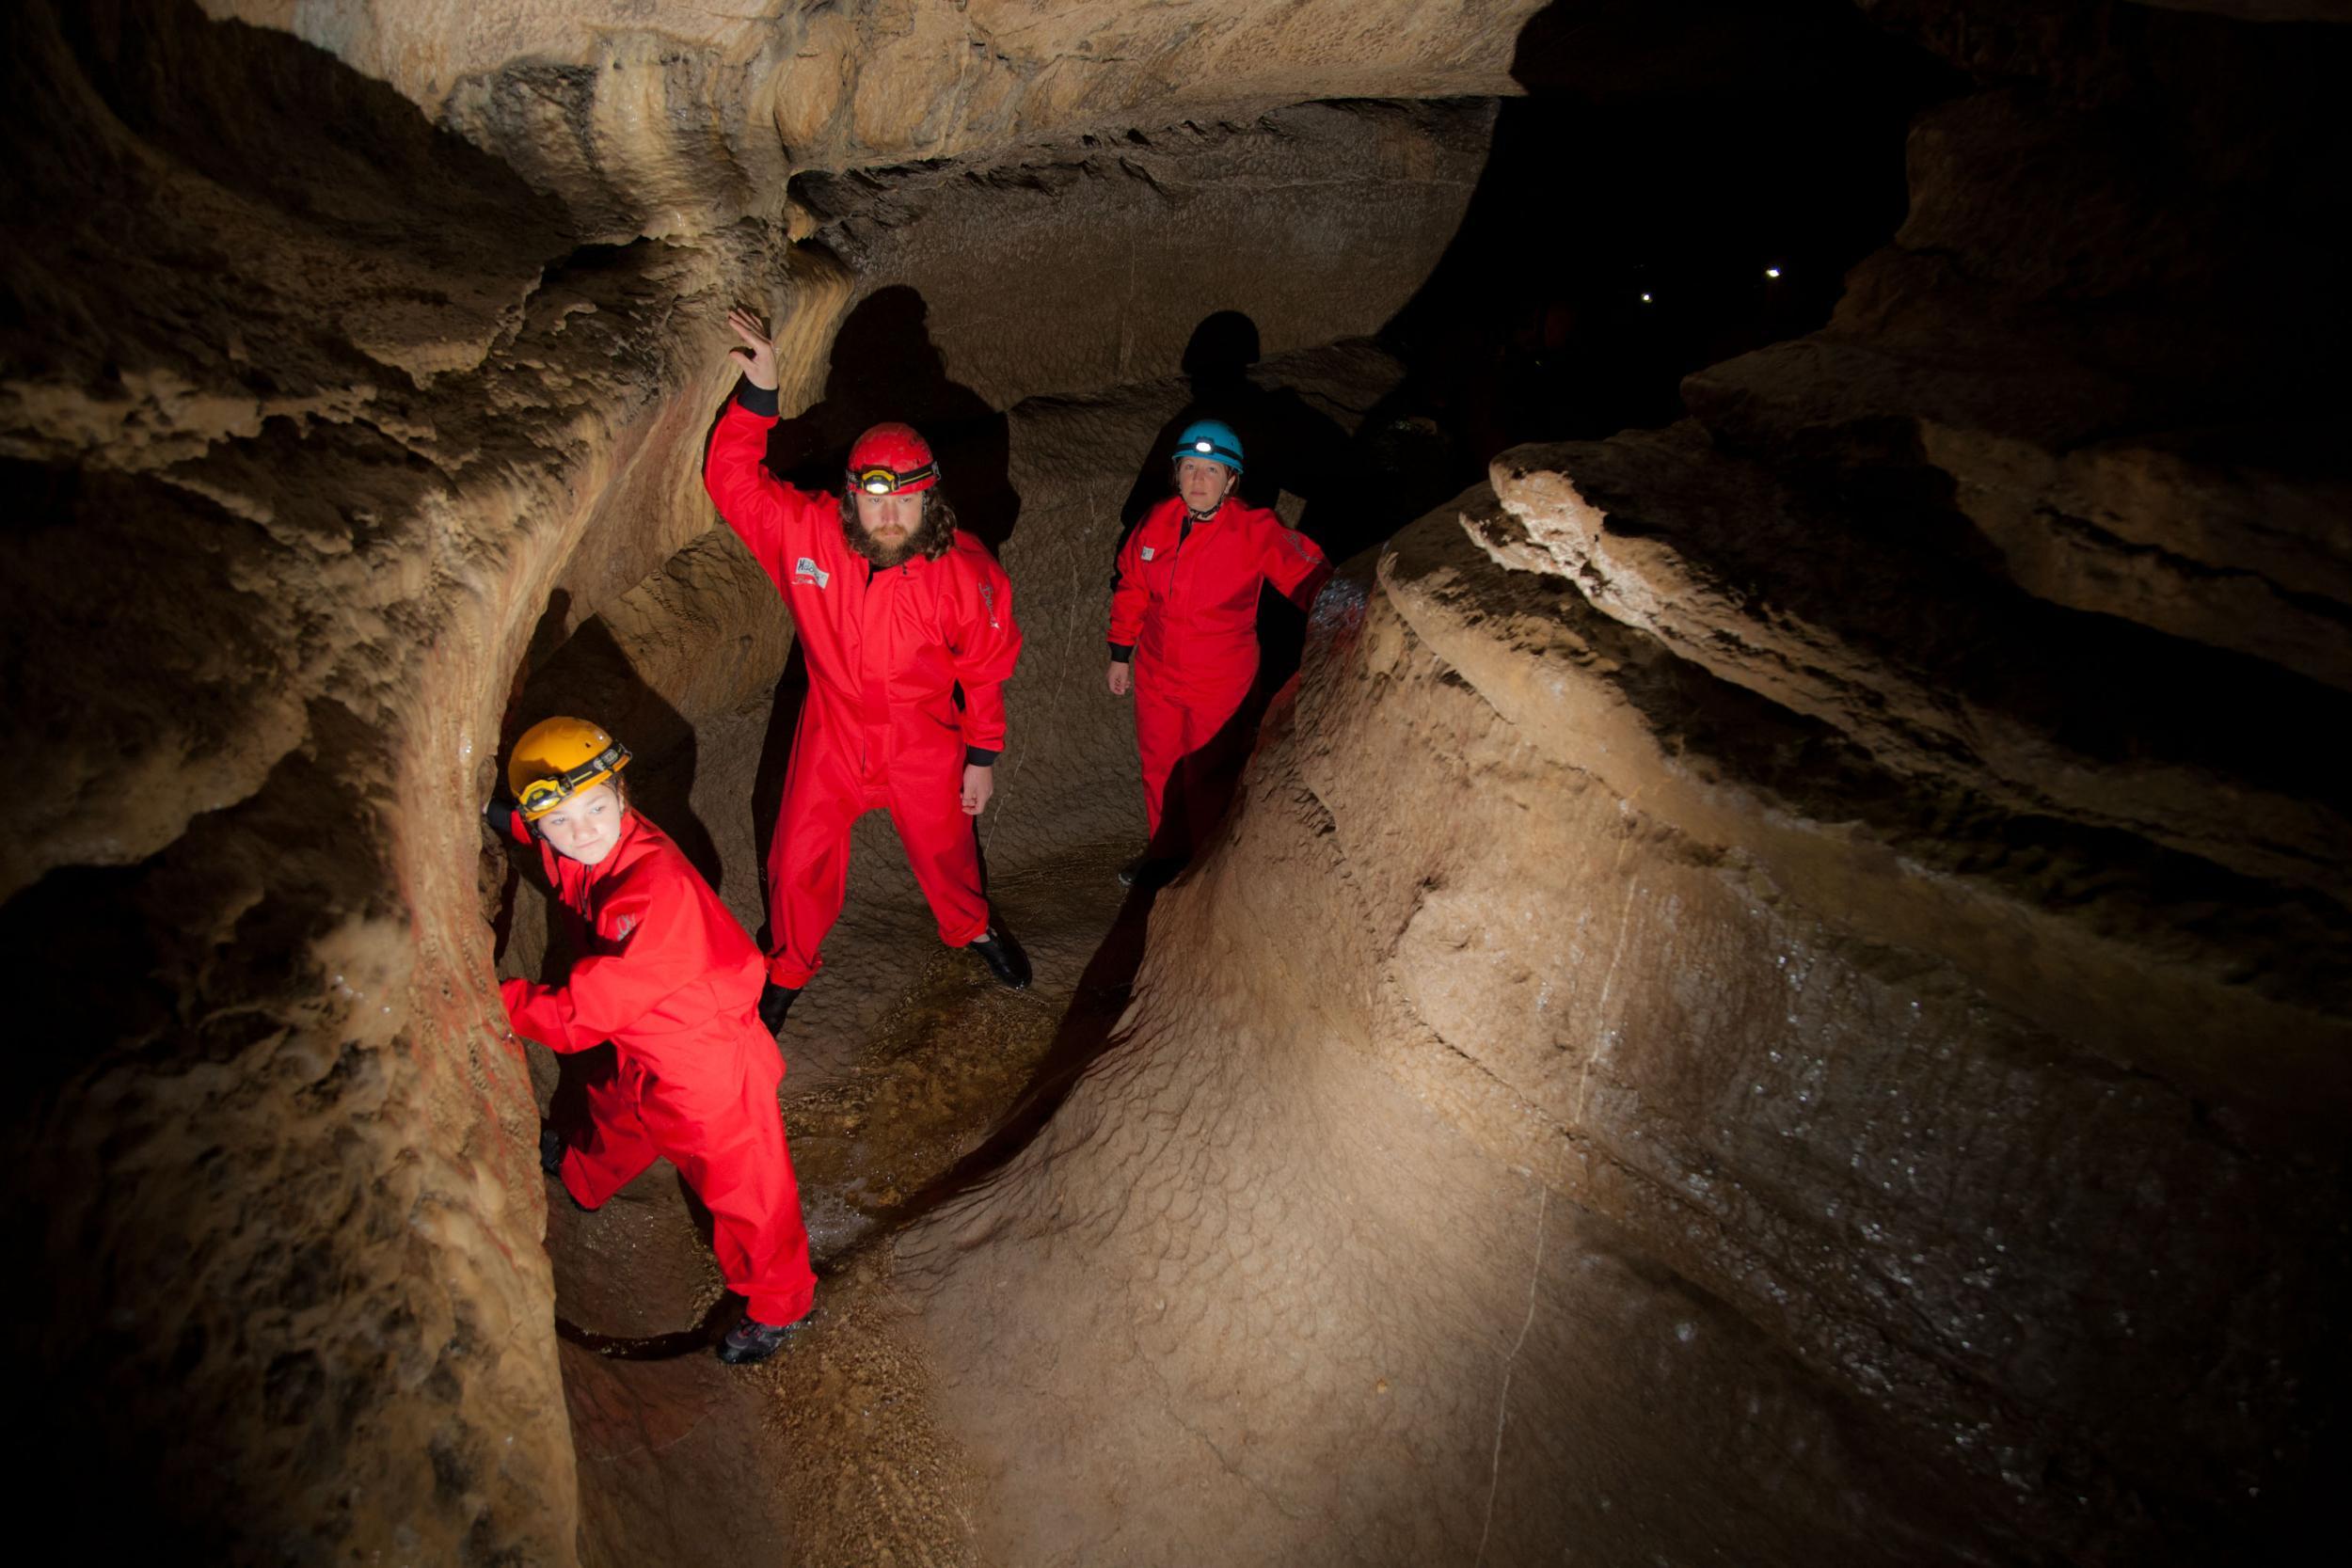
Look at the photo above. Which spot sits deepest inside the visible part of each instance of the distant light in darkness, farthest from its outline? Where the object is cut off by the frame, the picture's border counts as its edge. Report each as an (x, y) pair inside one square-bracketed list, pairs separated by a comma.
[(1771, 272), (1645, 299)]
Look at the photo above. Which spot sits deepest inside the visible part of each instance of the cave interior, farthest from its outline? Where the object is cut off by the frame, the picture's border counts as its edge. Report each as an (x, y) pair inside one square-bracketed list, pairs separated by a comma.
[(1774, 989)]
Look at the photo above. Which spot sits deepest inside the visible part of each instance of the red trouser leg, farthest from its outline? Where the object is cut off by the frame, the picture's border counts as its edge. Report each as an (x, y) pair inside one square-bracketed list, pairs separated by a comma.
[(808, 860), (945, 855), (1159, 741), (617, 1146), (1181, 733), (726, 1138), (1216, 748)]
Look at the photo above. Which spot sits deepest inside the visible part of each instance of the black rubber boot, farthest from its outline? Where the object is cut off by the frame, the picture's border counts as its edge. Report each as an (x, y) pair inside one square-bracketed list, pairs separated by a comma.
[(1147, 871), (751, 1340), (775, 1001), (551, 1161), (1003, 957)]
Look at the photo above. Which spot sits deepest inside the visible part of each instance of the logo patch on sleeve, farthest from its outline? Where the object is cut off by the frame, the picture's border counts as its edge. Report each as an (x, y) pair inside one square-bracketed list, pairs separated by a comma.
[(808, 570), (1147, 552)]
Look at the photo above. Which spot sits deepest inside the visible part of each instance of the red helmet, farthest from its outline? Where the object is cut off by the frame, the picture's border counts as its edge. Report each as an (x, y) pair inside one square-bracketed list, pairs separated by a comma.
[(892, 460)]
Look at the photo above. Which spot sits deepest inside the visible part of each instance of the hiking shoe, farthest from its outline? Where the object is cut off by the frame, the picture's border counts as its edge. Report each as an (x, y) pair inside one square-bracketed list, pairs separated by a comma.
[(775, 1001), (1003, 957), (751, 1340)]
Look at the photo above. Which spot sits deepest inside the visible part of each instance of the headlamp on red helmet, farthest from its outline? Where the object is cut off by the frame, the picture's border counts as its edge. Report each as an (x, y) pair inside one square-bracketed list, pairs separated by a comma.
[(892, 460)]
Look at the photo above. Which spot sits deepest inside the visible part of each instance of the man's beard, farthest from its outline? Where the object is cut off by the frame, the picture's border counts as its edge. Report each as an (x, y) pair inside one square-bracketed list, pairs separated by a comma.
[(929, 536)]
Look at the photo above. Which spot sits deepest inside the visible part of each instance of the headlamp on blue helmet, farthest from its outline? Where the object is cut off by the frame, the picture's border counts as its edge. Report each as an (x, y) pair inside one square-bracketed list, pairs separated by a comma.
[(1213, 439)]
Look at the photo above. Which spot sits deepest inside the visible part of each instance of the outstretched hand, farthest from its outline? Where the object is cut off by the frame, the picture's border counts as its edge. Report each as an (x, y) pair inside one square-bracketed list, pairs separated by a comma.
[(757, 354), (1119, 678)]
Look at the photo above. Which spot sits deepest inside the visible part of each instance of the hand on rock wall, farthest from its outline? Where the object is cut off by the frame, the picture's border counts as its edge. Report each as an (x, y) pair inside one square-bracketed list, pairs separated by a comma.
[(758, 354)]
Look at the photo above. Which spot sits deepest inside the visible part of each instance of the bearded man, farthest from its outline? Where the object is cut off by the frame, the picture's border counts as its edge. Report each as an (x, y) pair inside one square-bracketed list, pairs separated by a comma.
[(906, 623)]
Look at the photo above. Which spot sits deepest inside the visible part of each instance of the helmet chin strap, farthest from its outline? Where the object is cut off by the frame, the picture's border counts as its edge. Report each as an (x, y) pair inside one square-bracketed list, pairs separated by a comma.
[(1200, 514)]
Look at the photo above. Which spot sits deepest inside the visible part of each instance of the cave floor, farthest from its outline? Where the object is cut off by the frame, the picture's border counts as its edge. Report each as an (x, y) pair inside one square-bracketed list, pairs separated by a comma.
[(906, 1067)]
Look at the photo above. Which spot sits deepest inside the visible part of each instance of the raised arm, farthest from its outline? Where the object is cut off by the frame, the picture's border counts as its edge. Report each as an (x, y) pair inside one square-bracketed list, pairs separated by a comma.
[(756, 503)]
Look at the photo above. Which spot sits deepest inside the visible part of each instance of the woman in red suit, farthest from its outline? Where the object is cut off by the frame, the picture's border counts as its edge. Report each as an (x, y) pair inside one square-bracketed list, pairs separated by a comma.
[(1184, 633)]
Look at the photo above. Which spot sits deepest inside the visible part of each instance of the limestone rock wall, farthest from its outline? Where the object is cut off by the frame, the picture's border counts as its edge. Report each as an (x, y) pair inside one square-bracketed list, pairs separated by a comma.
[(658, 117), (329, 425), (1062, 269), (1742, 950), (1778, 996)]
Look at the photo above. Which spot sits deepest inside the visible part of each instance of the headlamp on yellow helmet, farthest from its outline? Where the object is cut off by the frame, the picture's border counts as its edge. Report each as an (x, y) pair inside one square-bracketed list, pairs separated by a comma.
[(556, 759)]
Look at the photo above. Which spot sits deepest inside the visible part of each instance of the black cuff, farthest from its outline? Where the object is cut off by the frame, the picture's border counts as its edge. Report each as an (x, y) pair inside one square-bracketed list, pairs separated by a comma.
[(757, 400), (1122, 652), (980, 756)]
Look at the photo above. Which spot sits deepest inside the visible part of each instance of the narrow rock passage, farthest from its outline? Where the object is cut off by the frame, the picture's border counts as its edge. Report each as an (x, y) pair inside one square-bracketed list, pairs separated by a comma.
[(902, 1057), (685, 1460), (1779, 992)]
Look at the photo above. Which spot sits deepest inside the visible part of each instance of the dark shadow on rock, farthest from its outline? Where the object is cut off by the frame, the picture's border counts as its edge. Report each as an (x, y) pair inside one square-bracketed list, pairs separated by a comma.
[(1087, 1030), (883, 367), (658, 1347), (1287, 445), (591, 677), (1085, 1033), (1289, 448), (504, 873), (1202, 787), (775, 762)]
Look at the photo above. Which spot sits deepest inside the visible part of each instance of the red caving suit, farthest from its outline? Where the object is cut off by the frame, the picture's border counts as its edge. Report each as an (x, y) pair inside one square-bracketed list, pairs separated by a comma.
[(1186, 600), (667, 975), (886, 650)]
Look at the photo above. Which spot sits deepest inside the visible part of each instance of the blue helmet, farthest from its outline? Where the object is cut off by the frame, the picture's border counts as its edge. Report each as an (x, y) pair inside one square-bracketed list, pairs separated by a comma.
[(1211, 438)]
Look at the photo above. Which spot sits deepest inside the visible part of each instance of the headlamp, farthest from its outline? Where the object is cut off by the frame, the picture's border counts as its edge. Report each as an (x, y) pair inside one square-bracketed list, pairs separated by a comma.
[(541, 796), (886, 481), (1204, 446)]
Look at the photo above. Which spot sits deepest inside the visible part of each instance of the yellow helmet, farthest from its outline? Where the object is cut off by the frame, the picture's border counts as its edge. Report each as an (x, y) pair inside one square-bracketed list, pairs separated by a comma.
[(556, 759)]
